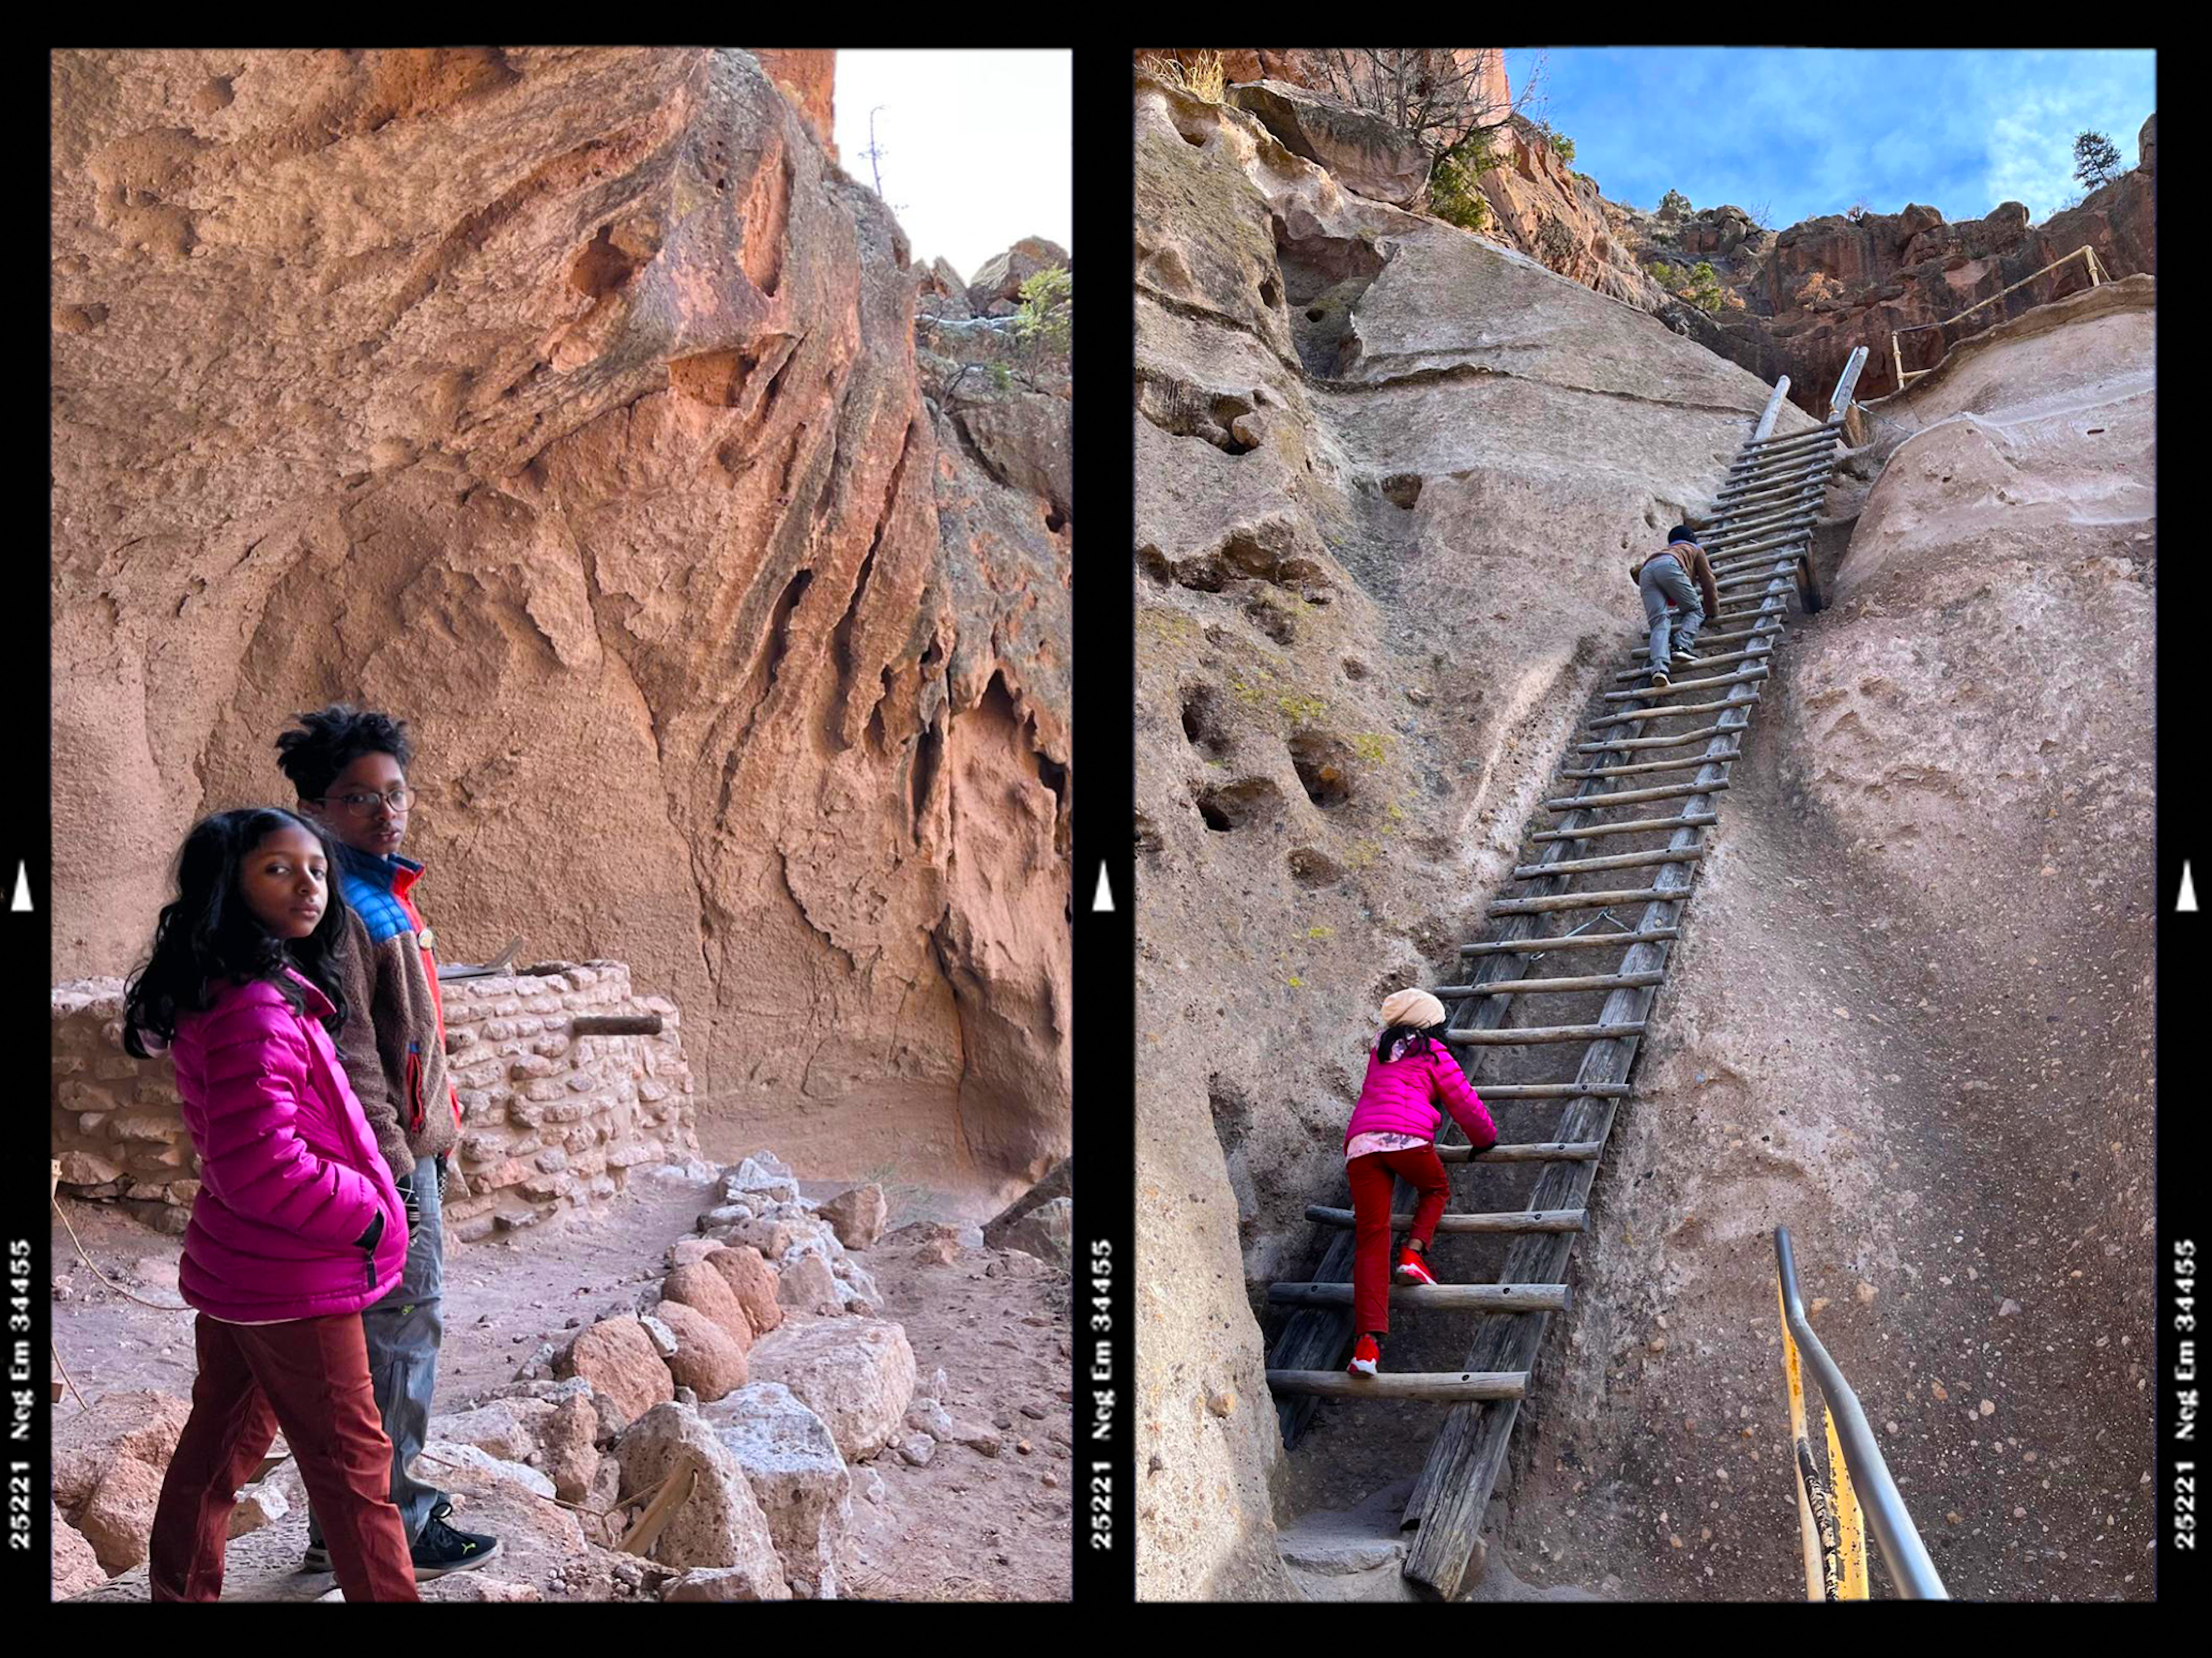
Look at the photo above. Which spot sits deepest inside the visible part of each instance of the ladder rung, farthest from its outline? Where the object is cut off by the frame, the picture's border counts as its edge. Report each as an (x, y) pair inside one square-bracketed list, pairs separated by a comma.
[(1632, 715), (1463, 1298), (1633, 797), (1590, 866), (1640, 826), (1717, 639), (1548, 1091), (1548, 987), (1583, 901), (1768, 570), (1687, 738), (1829, 428), (1545, 946), (1736, 678), (1703, 661), (1521, 1220), (1527, 1151), (1432, 1387), (1541, 1033), (1687, 764)]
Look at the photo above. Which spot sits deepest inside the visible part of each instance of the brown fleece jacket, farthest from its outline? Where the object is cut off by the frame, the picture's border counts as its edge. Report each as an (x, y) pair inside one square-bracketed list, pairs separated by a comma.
[(1691, 557), (394, 1046)]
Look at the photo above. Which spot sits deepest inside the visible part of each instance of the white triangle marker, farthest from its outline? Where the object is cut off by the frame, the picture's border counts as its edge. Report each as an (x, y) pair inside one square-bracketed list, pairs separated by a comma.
[(2187, 900), (1104, 899), (24, 888)]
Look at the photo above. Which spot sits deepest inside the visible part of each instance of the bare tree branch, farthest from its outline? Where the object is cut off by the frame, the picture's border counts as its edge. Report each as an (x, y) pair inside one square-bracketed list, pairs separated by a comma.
[(1438, 94)]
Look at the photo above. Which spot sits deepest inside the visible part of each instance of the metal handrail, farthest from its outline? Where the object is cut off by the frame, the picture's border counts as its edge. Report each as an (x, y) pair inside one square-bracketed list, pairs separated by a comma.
[(1893, 1527)]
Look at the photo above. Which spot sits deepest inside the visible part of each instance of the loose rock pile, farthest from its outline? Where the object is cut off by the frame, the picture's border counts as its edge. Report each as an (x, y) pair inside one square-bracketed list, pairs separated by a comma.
[(758, 1370), (549, 1116)]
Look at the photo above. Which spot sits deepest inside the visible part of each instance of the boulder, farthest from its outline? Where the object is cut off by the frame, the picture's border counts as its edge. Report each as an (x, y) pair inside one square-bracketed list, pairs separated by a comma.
[(707, 1359), (916, 1450), (764, 1176), (443, 1458), (118, 1517), (258, 1505), (772, 1238), (705, 1290), (1363, 153), (807, 1285), (1047, 1232), (794, 1467), (684, 1251), (752, 1280), (939, 291), (1058, 1182), (998, 281), (929, 1416), (720, 1524), (618, 1358), (140, 1425), (1027, 440), (607, 1418), (507, 1429), (857, 1214), (568, 1439), (719, 1583), (76, 1568), (2147, 145), (856, 1373)]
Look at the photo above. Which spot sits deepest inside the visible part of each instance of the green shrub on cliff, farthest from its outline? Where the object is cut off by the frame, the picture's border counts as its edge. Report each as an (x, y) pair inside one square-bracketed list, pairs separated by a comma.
[(1454, 187), (1705, 287), (1673, 204)]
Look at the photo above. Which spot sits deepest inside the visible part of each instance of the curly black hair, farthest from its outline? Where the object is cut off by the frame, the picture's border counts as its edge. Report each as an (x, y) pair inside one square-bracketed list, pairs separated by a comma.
[(1418, 1039), (208, 932), (326, 743)]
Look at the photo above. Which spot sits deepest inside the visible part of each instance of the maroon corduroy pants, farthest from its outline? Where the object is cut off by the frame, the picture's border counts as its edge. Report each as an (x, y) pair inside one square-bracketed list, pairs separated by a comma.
[(310, 1378), (1370, 1218)]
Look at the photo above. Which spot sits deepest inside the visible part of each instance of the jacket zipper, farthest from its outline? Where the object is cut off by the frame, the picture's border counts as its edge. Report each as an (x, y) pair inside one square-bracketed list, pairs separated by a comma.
[(415, 1087)]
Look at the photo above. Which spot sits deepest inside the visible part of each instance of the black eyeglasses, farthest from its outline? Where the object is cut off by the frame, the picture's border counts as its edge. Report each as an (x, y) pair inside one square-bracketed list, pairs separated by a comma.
[(363, 805)]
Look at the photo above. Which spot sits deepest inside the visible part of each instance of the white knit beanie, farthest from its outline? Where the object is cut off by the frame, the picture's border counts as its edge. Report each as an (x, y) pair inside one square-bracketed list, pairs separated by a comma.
[(1416, 1008)]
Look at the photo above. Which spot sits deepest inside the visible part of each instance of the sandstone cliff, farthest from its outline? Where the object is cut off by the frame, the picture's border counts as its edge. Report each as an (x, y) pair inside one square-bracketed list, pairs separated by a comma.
[(565, 401), (1387, 473)]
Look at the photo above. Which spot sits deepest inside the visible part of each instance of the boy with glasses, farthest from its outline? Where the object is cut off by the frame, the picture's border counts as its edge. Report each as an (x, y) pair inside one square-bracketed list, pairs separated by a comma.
[(350, 770)]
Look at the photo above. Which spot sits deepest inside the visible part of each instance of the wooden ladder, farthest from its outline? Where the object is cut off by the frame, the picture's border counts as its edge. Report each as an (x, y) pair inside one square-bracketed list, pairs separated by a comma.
[(1758, 539)]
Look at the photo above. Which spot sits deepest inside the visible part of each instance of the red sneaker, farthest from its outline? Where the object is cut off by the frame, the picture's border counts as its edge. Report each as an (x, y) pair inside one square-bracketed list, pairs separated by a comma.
[(1412, 1269), (1365, 1356)]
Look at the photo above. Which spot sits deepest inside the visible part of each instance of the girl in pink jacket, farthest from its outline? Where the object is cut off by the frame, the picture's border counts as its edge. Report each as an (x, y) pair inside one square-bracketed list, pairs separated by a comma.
[(297, 1225), (1393, 1131)]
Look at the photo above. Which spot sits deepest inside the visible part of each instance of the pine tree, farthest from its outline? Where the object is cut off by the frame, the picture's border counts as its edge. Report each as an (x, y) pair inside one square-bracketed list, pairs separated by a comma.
[(2096, 161)]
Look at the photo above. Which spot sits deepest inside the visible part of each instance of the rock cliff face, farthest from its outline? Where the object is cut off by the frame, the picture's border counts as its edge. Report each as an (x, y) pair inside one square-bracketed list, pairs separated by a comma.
[(1388, 476), (565, 402)]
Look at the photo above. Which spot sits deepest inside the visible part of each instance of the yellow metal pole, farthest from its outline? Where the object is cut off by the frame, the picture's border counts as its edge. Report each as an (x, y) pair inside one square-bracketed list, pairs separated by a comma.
[(1850, 1529), (1808, 1534)]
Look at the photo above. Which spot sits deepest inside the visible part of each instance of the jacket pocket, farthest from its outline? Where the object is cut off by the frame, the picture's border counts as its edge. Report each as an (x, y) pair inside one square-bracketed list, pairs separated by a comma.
[(414, 1087)]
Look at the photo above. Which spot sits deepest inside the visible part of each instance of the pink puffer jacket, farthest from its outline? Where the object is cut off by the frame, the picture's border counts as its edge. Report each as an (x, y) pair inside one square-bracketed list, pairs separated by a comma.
[(1402, 1095), (290, 1175)]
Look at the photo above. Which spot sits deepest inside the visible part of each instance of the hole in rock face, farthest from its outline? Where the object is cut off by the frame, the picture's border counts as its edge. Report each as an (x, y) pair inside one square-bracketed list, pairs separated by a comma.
[(1315, 314), (2093, 431), (1354, 669), (1269, 620), (1324, 766), (1148, 833), (1202, 725), (1154, 563), (1271, 295), (1232, 805), (1312, 868), (1055, 521), (1402, 490)]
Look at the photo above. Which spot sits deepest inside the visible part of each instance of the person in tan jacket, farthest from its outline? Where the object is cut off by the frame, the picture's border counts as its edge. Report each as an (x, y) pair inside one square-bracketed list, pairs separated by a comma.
[(350, 768), (1671, 603)]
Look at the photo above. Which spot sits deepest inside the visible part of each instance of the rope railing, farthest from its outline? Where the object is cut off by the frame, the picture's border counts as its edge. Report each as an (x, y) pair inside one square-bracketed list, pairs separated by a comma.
[(2098, 277), (1830, 1518)]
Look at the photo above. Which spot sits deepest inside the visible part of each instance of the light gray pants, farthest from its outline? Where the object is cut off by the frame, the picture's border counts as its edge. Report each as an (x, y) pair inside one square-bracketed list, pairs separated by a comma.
[(1664, 581), (403, 1330)]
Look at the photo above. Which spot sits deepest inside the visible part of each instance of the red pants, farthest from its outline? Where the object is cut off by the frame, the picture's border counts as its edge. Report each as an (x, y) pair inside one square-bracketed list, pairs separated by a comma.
[(310, 1378), (1371, 1189)]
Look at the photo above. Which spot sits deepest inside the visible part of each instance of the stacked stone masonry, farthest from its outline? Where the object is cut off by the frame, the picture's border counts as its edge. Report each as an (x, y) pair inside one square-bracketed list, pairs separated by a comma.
[(549, 1118)]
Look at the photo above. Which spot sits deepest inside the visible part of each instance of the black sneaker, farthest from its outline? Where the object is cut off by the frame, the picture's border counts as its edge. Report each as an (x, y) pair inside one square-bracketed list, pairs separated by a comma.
[(440, 1549), (318, 1558)]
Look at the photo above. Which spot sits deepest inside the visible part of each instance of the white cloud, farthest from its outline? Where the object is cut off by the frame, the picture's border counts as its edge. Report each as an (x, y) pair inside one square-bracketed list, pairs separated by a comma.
[(977, 145)]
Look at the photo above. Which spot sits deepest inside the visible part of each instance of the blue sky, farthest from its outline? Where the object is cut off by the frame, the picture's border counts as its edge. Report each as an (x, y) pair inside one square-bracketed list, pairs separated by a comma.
[(1813, 132)]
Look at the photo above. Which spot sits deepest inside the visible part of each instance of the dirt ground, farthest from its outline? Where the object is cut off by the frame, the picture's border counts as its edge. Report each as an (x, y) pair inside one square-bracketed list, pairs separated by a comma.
[(964, 1527)]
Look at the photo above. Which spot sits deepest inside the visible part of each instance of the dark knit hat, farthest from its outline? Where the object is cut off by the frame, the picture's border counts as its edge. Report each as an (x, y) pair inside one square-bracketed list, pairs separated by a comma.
[(1680, 533)]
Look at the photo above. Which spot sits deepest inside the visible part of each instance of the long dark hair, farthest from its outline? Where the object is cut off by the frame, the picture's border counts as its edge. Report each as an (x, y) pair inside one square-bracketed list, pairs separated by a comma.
[(1418, 1038), (208, 934)]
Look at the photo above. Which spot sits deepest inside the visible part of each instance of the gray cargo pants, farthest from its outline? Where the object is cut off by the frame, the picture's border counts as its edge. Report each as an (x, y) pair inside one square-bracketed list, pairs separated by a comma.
[(1663, 580), (403, 1330)]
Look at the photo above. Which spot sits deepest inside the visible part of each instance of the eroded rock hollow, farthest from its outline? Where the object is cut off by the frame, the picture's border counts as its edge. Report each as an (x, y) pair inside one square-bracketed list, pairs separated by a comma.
[(565, 402)]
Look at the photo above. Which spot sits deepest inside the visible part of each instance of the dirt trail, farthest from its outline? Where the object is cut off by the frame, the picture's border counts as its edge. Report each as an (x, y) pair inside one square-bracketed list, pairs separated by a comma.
[(966, 1526)]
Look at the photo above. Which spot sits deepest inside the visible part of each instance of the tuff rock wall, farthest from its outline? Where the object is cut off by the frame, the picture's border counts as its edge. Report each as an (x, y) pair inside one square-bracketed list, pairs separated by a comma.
[(564, 401)]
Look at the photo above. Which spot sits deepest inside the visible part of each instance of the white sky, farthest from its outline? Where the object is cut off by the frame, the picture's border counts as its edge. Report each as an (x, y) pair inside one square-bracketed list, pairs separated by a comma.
[(978, 146)]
